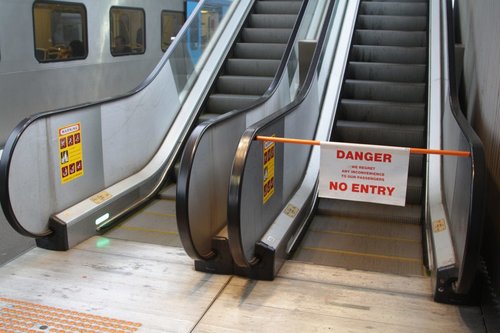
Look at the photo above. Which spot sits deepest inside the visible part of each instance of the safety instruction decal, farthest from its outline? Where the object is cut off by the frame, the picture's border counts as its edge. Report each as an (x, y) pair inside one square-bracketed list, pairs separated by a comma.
[(268, 168), (70, 152)]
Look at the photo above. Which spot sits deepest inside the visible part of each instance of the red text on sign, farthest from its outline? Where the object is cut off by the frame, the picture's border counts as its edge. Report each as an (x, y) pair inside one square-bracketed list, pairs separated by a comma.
[(364, 156)]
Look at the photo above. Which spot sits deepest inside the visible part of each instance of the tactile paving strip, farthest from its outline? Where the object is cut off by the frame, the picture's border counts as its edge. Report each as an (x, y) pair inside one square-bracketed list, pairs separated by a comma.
[(24, 317)]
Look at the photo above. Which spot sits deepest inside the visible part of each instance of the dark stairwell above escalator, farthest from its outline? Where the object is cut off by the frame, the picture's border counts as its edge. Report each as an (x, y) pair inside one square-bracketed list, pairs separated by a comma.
[(383, 102)]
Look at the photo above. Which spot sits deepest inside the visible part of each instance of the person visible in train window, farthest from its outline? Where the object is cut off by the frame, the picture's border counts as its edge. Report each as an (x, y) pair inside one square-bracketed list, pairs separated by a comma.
[(77, 49), (139, 37), (120, 47)]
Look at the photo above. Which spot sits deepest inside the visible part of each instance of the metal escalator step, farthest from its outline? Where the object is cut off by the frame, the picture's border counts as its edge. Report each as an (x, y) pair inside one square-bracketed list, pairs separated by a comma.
[(277, 7), (393, 8), (414, 190), (410, 214), (389, 54), (385, 91), (386, 72), (243, 85), (416, 167), (388, 22), (383, 112), (255, 67), (390, 37), (221, 103), (357, 251), (367, 228), (380, 134), (272, 21), (259, 50), (261, 35)]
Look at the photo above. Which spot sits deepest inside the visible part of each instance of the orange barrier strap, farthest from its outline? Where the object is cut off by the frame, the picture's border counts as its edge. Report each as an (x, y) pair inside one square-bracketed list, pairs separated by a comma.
[(412, 150)]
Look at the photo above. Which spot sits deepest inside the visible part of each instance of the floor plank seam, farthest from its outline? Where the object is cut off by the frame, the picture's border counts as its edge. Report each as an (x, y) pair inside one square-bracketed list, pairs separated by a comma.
[(216, 297)]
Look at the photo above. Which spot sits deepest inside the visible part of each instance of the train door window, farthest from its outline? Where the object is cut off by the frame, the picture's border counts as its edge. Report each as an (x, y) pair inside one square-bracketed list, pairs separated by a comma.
[(171, 23), (60, 31), (128, 33)]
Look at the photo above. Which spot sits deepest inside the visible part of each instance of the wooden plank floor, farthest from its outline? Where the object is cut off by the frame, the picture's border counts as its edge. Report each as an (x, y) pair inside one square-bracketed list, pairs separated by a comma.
[(156, 288)]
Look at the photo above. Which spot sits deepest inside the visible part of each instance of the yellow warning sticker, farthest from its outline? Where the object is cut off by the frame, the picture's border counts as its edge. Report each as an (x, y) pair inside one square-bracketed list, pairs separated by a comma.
[(70, 152), (100, 197), (268, 168), (438, 225), (291, 210)]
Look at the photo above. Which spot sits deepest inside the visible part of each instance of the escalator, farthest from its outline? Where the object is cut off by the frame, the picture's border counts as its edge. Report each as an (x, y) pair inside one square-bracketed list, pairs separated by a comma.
[(248, 72), (393, 85), (383, 102), (129, 144), (204, 174)]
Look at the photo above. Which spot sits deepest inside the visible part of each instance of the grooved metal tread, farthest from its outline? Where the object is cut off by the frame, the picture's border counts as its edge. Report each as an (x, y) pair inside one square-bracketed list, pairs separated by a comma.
[(389, 54), (380, 133), (390, 37), (375, 71), (385, 91), (392, 22), (408, 214), (393, 8), (255, 67), (383, 111)]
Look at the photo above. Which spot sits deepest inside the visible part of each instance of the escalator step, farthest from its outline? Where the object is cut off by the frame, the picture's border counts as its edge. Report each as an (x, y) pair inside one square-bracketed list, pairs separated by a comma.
[(386, 72), (259, 50), (414, 190), (392, 248), (243, 85), (410, 214), (387, 22), (277, 7), (366, 227), (383, 112), (256, 67), (385, 91), (390, 38), (380, 134), (221, 103), (270, 21), (260, 35), (393, 8), (389, 54)]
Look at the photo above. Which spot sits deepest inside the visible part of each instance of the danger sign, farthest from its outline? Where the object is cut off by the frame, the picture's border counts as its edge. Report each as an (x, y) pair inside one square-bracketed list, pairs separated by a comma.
[(368, 173)]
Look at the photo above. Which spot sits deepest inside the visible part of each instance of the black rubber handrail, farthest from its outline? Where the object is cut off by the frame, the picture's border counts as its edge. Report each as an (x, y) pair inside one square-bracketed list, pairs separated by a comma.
[(192, 144), (471, 260), (14, 137), (234, 198)]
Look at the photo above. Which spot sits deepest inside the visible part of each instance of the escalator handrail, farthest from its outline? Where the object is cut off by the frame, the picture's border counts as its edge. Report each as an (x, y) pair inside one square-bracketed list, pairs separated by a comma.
[(235, 188), (470, 262), (18, 131), (194, 140)]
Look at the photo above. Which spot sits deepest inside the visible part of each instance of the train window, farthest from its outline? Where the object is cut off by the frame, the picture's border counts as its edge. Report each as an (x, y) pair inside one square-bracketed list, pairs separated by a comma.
[(171, 23), (60, 31), (128, 33)]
